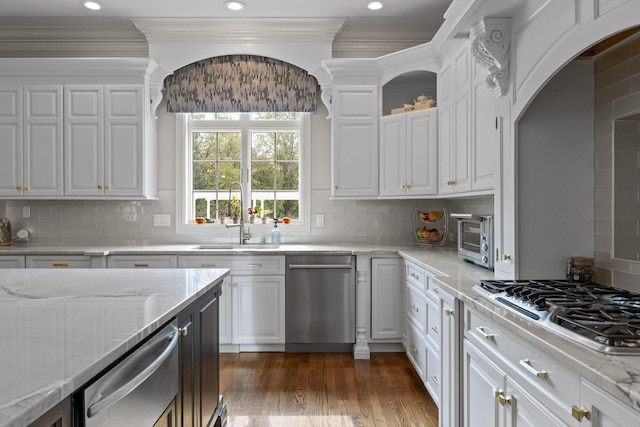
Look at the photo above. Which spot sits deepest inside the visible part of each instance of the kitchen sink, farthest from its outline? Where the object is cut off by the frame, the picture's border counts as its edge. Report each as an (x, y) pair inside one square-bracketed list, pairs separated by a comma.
[(223, 247)]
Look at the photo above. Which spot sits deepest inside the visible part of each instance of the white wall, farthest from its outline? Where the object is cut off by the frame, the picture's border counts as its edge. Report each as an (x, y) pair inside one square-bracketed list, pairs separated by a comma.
[(555, 174)]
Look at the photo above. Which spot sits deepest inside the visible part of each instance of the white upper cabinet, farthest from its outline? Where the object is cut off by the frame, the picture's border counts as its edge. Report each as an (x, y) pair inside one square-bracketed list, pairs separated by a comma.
[(409, 154), (454, 140), (61, 139), (354, 129), (486, 132), (31, 141), (104, 140)]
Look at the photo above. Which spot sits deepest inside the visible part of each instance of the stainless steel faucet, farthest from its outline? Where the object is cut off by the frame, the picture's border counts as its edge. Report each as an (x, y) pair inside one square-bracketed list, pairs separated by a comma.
[(243, 237)]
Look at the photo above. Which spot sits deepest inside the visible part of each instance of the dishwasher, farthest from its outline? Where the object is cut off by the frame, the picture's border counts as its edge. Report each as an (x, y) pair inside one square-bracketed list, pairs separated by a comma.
[(320, 295)]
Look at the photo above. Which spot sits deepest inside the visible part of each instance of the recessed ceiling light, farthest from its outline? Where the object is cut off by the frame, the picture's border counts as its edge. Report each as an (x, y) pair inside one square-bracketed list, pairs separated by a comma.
[(92, 5), (235, 5), (375, 5)]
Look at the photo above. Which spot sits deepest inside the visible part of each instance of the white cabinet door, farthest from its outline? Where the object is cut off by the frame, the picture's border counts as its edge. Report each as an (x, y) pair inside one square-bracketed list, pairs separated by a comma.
[(524, 410), (84, 141), (58, 261), (258, 309), (225, 311), (486, 133), (393, 154), (124, 145), (11, 141), (12, 261), (483, 384), (43, 162), (387, 307), (354, 142), (604, 409), (422, 152), (409, 154), (449, 357), (454, 149)]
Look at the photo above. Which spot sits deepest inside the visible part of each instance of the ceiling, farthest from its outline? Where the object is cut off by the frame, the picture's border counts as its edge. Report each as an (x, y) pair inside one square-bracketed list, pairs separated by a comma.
[(407, 21)]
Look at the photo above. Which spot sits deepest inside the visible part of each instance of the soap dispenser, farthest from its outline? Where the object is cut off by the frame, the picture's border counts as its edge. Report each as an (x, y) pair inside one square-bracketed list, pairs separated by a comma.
[(275, 233)]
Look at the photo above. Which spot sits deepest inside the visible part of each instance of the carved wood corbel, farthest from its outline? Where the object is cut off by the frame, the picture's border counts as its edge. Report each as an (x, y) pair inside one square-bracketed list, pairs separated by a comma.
[(326, 95), (490, 48)]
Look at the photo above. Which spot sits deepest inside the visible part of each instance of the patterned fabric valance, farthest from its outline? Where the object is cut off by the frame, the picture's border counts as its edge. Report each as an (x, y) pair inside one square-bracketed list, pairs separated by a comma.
[(240, 83)]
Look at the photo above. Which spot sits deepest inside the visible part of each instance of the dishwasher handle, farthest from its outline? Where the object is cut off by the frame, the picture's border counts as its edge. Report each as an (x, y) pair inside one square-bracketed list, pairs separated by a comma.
[(320, 266), (127, 387)]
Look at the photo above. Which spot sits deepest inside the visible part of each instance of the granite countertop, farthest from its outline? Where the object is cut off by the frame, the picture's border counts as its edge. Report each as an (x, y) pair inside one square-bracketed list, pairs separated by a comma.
[(61, 328)]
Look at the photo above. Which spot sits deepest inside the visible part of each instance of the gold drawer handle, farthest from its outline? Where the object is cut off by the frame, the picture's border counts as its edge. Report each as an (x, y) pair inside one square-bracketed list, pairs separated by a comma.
[(506, 257), (255, 265), (99, 187), (434, 329), (415, 276), (436, 290), (141, 265), (448, 312), (207, 265), (415, 307), (526, 363), (502, 399), (434, 378), (414, 348), (60, 264), (580, 413), (485, 334)]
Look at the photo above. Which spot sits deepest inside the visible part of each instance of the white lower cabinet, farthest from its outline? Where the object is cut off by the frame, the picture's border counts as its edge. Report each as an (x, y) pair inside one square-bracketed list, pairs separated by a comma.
[(252, 303), (12, 261), (601, 409), (432, 340), (141, 261), (58, 261), (387, 308)]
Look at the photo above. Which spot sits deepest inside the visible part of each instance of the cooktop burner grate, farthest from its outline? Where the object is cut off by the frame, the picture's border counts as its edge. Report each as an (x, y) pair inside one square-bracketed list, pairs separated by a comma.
[(606, 316)]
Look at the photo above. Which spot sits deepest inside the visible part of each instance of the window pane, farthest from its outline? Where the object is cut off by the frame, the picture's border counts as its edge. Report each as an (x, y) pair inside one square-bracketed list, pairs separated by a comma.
[(287, 207), (229, 147), (262, 175), (287, 176), (229, 172), (262, 145), (204, 176), (288, 146), (204, 145)]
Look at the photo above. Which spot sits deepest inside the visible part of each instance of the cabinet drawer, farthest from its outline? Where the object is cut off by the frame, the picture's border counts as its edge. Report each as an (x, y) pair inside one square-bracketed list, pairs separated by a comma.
[(12, 261), (416, 350), (238, 264), (536, 370), (142, 261), (432, 375), (46, 261), (433, 324), (416, 308), (417, 276)]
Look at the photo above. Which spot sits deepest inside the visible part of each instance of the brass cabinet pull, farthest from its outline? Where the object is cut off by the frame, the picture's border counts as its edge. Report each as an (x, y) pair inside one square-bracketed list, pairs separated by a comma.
[(413, 348), (448, 312), (207, 265), (258, 265), (502, 399), (19, 187), (336, 187), (436, 290), (60, 264), (485, 334), (526, 363), (506, 257), (415, 308), (434, 329), (580, 413), (415, 276), (434, 378), (99, 187), (141, 265)]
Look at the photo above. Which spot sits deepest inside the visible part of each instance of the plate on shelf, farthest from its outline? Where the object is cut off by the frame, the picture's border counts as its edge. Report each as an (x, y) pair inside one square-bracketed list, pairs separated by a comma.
[(430, 227)]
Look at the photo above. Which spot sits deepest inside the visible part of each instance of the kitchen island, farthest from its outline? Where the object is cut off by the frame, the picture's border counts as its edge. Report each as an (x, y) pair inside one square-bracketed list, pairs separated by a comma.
[(62, 328)]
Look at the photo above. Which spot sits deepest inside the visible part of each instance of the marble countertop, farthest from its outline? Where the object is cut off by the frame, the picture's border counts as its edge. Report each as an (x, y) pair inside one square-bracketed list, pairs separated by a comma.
[(61, 328), (619, 375)]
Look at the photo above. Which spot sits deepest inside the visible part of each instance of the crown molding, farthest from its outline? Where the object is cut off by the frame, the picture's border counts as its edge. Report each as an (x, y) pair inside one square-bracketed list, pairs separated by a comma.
[(372, 47), (119, 67), (239, 30), (71, 38)]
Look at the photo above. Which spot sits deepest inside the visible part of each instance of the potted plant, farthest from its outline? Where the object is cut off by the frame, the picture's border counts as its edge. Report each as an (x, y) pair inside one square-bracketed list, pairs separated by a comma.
[(253, 212), (234, 208), (264, 215)]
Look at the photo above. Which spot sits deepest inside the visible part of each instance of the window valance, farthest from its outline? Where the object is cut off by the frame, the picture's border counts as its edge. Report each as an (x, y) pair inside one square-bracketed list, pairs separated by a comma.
[(240, 83)]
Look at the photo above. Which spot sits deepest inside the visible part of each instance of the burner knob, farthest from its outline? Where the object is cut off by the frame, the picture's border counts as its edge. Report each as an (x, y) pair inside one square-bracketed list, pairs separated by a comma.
[(541, 304)]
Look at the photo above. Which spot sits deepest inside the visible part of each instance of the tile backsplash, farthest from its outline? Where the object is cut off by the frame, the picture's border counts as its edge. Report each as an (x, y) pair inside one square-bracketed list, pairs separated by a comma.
[(113, 222)]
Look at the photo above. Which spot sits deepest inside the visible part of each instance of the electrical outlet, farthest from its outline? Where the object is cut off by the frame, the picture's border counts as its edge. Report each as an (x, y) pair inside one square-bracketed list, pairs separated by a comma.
[(162, 220), (26, 212), (320, 220)]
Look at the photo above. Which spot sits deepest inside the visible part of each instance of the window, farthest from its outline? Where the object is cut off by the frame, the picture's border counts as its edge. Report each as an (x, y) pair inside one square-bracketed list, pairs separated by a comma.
[(261, 151)]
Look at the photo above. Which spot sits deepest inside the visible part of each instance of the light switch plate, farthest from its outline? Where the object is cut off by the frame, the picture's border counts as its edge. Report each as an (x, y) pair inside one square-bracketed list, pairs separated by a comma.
[(161, 220), (26, 212), (319, 220)]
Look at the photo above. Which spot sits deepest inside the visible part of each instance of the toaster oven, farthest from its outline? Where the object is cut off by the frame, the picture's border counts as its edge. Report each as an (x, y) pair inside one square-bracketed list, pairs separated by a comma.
[(475, 238)]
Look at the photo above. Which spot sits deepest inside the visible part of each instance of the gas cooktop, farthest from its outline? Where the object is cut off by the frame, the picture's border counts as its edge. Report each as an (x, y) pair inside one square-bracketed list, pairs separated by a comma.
[(600, 317)]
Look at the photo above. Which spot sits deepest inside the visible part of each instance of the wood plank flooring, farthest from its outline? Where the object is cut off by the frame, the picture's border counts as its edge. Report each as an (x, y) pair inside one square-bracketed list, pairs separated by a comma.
[(324, 389)]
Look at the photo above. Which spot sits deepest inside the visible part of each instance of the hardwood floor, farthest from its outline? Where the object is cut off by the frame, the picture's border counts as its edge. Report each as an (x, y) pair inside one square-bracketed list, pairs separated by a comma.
[(324, 389)]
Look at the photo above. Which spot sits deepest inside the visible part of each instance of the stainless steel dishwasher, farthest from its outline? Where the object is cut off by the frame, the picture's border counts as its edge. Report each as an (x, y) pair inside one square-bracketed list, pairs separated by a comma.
[(320, 294)]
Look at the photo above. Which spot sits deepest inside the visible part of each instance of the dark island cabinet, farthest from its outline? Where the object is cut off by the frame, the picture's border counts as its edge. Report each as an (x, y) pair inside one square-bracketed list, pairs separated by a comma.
[(58, 416), (199, 362)]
